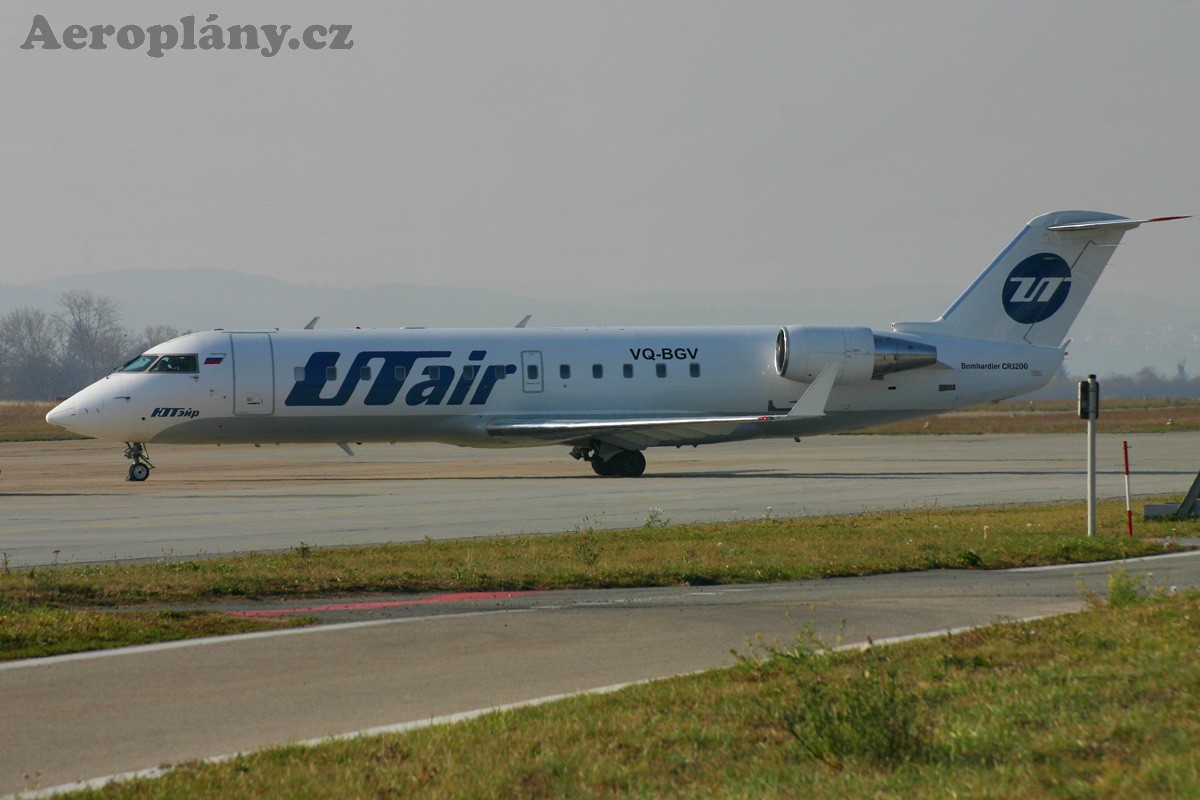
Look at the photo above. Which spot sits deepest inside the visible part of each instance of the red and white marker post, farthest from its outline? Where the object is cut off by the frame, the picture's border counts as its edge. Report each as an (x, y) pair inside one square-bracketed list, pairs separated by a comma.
[(1128, 507)]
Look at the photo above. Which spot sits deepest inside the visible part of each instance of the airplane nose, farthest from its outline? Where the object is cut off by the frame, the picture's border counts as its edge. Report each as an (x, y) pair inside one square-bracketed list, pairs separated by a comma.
[(81, 413), (62, 414)]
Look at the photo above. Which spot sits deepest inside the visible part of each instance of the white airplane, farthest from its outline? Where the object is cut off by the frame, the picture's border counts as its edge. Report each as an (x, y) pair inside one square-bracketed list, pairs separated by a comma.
[(608, 393)]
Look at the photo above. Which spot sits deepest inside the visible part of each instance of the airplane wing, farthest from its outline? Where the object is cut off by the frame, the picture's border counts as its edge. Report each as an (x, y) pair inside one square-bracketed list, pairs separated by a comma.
[(641, 432), (630, 432)]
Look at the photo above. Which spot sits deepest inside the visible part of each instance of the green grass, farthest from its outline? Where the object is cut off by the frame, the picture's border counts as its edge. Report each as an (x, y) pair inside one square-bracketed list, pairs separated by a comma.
[(1102, 704)]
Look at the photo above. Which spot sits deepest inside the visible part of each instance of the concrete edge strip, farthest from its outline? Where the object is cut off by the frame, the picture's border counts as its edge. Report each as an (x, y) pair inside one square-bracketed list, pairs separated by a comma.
[(1086, 564), (139, 649), (465, 716)]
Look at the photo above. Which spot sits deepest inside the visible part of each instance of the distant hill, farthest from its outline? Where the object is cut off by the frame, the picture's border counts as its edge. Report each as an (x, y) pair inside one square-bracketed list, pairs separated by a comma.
[(1114, 334)]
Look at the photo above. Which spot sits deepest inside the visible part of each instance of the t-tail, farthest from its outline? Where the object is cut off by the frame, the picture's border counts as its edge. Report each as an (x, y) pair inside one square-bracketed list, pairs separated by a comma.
[(1036, 287)]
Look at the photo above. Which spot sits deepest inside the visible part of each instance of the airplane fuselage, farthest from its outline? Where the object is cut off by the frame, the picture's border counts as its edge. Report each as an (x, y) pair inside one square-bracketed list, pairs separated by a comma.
[(448, 385)]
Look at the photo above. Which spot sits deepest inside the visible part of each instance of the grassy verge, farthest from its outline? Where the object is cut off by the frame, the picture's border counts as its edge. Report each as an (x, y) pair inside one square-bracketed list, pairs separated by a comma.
[(63, 609), (1100, 704), (26, 422), (33, 631), (657, 554)]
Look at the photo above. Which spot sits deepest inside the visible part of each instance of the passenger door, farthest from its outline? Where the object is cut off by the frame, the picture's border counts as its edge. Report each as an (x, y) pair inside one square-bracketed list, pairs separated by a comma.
[(253, 373)]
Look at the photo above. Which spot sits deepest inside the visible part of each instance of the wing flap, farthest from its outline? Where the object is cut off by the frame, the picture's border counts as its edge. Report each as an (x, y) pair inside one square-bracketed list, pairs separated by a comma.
[(642, 432), (653, 428)]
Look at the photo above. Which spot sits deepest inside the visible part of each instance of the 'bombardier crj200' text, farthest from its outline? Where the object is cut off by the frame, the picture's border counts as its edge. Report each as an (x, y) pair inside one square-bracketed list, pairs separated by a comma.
[(609, 393)]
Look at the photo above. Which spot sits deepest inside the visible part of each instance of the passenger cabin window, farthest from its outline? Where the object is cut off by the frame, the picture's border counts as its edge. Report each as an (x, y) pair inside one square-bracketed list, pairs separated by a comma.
[(500, 371), (364, 373), (298, 374), (434, 372), (660, 370), (597, 371), (468, 372), (694, 370), (139, 364), (628, 370), (401, 374), (331, 373), (177, 364), (564, 371)]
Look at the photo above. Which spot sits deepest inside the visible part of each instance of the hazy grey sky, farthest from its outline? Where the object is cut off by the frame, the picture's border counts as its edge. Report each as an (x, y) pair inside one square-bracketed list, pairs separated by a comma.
[(569, 149)]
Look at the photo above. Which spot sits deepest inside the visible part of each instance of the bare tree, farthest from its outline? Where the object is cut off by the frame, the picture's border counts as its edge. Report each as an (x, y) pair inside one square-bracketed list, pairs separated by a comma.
[(31, 351), (152, 335), (95, 340)]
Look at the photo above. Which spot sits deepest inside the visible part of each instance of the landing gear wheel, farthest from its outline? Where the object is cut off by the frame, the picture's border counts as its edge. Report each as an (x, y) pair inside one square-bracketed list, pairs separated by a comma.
[(628, 463), (603, 468), (140, 469), (621, 464)]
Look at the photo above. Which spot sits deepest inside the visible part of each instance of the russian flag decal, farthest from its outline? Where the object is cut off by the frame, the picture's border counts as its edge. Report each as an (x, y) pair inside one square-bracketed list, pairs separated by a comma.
[(214, 358)]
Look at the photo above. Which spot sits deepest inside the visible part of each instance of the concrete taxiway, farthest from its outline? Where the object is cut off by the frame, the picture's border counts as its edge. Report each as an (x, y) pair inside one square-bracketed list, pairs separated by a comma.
[(68, 501), (80, 717)]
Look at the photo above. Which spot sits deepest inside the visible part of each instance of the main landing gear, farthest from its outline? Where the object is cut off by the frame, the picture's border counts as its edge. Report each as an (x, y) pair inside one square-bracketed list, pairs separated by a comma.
[(611, 462), (139, 470)]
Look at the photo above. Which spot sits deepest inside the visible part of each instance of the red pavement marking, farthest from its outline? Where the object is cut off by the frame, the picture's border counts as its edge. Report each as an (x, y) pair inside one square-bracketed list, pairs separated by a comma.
[(441, 598)]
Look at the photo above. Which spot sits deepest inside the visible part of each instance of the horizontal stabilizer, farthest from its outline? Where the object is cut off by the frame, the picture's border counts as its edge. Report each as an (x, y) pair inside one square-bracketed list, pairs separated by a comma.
[(1111, 224)]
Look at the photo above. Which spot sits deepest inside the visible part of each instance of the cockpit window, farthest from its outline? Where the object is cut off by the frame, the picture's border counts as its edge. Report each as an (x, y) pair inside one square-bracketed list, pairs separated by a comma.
[(176, 364), (138, 364)]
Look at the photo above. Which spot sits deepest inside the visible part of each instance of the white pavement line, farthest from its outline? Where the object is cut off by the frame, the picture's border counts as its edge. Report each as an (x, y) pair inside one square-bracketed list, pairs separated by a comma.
[(139, 649), (914, 637), (1086, 564), (465, 716)]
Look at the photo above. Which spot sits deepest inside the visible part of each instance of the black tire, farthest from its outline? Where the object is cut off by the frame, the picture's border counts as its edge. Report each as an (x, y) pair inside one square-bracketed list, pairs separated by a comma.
[(139, 472), (629, 463), (603, 468)]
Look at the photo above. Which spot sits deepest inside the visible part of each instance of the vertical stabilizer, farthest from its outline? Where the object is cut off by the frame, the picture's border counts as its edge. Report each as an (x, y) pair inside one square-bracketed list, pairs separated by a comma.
[(1036, 287)]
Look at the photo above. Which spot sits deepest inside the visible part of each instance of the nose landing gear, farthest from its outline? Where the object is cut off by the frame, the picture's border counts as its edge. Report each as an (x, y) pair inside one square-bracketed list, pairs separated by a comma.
[(139, 470)]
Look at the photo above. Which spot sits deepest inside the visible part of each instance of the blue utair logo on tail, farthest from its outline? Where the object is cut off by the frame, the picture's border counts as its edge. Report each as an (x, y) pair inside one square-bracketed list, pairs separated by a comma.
[(1036, 288)]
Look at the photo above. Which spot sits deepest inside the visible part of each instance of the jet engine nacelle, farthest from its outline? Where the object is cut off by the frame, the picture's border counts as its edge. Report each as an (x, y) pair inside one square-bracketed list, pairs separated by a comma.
[(802, 351)]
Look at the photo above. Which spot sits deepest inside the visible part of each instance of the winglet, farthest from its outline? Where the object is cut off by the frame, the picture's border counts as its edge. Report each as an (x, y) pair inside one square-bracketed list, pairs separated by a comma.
[(524, 320), (812, 403), (312, 323)]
